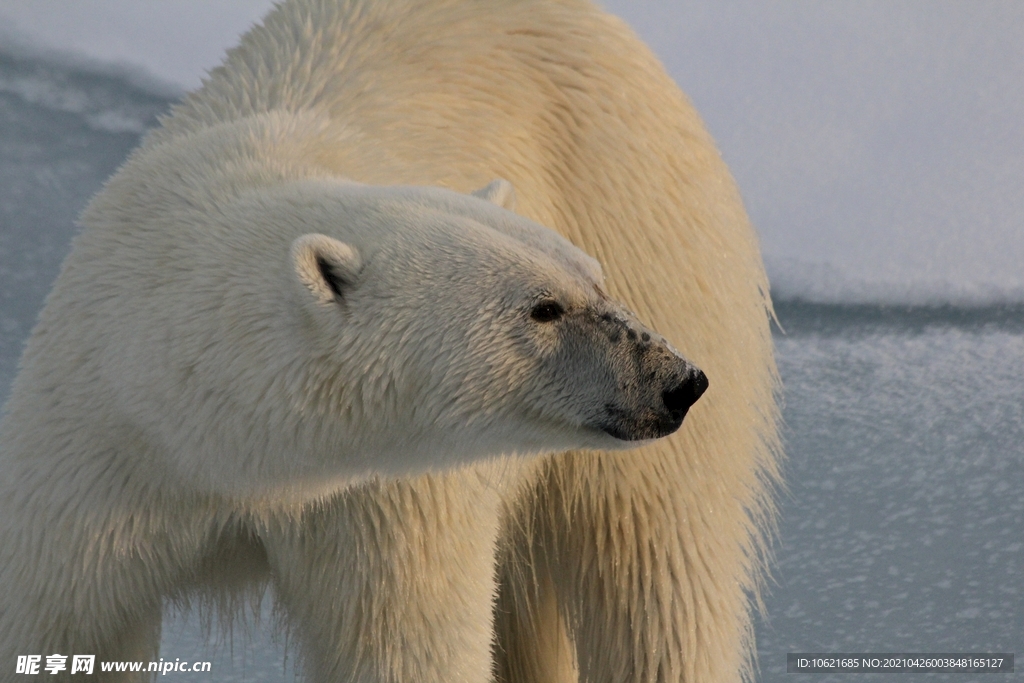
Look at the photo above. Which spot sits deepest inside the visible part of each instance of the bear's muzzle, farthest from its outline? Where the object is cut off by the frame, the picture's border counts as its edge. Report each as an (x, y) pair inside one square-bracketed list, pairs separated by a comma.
[(664, 415)]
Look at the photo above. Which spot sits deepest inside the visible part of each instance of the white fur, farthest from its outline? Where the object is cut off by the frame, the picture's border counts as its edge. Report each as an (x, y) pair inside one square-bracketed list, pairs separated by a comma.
[(169, 428)]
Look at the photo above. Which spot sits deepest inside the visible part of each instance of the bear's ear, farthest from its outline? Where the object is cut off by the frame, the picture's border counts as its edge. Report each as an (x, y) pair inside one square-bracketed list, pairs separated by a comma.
[(325, 266), (500, 192)]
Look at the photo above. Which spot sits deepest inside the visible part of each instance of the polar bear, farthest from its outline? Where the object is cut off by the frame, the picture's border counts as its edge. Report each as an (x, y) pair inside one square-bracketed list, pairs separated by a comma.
[(414, 551), (208, 367)]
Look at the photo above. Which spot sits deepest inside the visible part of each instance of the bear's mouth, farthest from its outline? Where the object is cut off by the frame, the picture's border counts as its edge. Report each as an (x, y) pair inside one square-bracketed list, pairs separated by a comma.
[(646, 429)]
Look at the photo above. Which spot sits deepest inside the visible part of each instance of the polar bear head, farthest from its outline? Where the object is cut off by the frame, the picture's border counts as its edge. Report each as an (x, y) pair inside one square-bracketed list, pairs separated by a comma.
[(290, 338), (442, 328)]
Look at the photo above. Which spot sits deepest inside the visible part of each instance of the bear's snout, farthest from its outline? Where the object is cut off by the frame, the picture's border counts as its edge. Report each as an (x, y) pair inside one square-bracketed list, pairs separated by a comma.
[(657, 404), (653, 386)]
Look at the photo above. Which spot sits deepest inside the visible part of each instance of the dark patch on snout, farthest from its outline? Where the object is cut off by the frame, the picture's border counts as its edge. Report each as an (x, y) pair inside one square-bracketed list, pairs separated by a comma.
[(614, 326), (649, 387), (657, 387), (666, 414)]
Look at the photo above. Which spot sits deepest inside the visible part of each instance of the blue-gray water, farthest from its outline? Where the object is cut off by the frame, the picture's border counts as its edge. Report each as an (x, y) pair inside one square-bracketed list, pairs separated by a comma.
[(903, 525)]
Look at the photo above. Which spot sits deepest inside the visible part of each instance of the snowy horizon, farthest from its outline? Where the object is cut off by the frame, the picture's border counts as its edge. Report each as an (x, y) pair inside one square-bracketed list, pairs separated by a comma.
[(878, 146)]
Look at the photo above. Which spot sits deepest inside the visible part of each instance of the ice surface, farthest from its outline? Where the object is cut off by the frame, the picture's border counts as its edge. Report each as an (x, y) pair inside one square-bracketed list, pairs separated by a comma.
[(903, 526), (174, 41), (878, 144)]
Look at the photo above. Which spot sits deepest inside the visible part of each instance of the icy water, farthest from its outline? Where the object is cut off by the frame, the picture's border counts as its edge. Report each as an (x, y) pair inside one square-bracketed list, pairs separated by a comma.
[(902, 528)]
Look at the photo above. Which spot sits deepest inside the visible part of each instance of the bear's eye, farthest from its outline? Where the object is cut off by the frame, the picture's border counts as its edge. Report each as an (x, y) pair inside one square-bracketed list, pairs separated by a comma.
[(547, 311)]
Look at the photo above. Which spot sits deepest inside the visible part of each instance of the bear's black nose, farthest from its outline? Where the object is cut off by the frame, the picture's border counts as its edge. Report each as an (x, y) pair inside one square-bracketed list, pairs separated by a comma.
[(679, 398)]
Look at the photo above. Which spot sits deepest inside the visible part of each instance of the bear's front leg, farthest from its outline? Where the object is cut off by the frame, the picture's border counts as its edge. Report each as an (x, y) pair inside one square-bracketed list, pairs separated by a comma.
[(85, 573), (393, 581)]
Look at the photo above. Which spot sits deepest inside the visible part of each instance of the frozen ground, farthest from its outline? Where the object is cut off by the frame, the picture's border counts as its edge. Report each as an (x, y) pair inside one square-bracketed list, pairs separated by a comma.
[(903, 524), (878, 144)]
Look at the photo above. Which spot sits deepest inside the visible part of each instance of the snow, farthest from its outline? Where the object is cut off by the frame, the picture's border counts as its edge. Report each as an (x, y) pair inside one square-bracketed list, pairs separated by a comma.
[(877, 144)]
